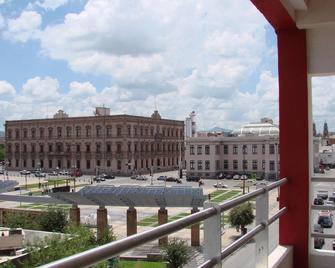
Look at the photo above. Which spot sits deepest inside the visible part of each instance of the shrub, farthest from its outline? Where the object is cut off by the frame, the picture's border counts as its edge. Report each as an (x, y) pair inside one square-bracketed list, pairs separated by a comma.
[(20, 220), (241, 216), (53, 221), (176, 253)]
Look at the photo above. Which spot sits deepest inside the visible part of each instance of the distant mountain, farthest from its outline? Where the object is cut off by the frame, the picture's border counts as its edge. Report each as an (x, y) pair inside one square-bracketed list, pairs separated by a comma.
[(220, 129)]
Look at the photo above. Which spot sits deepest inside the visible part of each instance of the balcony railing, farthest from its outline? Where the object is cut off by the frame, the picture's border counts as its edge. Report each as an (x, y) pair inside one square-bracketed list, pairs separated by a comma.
[(211, 216)]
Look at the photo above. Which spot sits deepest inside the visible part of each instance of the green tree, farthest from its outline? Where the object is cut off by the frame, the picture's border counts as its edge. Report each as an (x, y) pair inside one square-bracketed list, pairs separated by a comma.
[(240, 216), (2, 152), (20, 220), (53, 221), (176, 253)]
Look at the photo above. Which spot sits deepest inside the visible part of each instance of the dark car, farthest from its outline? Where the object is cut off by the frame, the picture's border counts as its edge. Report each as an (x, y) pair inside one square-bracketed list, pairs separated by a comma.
[(318, 242), (107, 176), (40, 175), (162, 178), (325, 219), (318, 201), (171, 179), (228, 176), (193, 178), (322, 194), (99, 179)]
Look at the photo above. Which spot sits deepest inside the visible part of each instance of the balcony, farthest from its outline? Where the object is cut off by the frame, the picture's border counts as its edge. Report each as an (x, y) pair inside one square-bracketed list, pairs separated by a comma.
[(211, 215)]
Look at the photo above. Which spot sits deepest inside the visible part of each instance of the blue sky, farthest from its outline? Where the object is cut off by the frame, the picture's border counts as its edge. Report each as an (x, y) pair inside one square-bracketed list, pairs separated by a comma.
[(216, 57)]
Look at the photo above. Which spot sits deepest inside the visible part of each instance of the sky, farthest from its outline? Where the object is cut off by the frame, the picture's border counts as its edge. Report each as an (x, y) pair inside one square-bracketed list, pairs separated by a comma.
[(216, 57)]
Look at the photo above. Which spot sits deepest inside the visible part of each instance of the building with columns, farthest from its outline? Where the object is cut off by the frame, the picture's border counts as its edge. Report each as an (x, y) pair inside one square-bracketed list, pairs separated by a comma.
[(121, 144)]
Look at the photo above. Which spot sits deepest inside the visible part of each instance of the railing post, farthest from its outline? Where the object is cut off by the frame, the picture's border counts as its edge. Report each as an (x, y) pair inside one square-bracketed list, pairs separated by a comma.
[(262, 239), (212, 235)]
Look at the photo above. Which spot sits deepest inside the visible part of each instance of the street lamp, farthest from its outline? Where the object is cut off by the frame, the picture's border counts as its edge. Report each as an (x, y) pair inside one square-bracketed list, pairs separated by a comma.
[(243, 166)]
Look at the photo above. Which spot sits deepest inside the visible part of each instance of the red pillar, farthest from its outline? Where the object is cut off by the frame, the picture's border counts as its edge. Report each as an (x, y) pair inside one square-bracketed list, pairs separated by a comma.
[(293, 114)]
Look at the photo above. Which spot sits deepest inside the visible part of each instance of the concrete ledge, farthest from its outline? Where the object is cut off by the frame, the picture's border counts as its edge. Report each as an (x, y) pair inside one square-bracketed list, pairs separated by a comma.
[(281, 257)]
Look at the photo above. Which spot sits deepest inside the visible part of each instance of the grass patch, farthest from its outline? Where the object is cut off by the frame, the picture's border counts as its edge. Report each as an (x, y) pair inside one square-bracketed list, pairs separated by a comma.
[(141, 264), (45, 206)]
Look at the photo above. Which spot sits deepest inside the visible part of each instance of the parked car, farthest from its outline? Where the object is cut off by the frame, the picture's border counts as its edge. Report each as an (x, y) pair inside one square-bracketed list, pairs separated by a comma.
[(99, 179), (333, 244), (193, 178), (107, 176), (64, 173), (236, 177), (173, 179), (318, 201), (220, 185), (179, 181), (2, 171), (329, 203), (133, 177), (162, 178), (228, 176), (325, 219), (322, 194), (244, 177), (40, 175), (141, 178), (25, 172), (318, 242), (54, 173)]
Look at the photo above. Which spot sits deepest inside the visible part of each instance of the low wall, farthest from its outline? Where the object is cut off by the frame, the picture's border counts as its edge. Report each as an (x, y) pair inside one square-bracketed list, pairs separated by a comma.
[(281, 257)]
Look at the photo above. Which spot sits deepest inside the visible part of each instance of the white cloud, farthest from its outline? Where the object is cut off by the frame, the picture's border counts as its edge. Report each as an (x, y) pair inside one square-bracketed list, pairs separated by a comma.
[(2, 21), (24, 27), (51, 4), (78, 89), (6, 89), (41, 89), (2, 2)]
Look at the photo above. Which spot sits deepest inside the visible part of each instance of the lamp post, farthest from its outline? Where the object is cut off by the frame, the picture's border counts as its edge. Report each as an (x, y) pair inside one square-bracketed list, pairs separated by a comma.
[(243, 166)]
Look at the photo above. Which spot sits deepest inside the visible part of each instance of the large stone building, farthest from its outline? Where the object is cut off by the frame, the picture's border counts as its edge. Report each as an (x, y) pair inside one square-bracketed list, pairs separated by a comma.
[(254, 148), (121, 144)]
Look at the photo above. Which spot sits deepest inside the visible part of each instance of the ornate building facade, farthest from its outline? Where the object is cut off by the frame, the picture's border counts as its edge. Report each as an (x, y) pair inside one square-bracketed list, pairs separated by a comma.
[(121, 144)]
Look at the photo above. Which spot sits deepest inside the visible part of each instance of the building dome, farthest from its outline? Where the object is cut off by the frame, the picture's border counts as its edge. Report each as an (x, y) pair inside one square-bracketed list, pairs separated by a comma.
[(257, 129)]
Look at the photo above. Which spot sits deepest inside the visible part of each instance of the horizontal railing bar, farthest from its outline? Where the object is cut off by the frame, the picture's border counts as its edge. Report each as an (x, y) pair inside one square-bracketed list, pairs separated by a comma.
[(322, 207), (107, 251), (230, 249), (322, 179), (322, 235)]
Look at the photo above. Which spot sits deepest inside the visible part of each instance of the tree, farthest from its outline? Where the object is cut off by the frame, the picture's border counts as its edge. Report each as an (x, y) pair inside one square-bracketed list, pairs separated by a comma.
[(241, 216), (53, 221), (20, 220), (176, 253)]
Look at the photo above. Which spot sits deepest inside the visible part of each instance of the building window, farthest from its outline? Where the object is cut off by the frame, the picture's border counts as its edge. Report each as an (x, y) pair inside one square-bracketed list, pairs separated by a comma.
[(41, 148), (119, 131), (146, 132), (118, 148), (25, 133), (68, 132), (217, 164), (234, 149), (98, 148), (141, 132), (225, 149), (129, 147), (17, 134), (207, 150), (129, 131), (263, 148), (272, 165), (78, 148), (98, 131), (68, 148), (88, 131), (98, 163), (78, 130), (68, 164), (119, 164), (59, 132), (50, 148), (17, 162), (88, 164), (191, 164), (254, 165), (235, 164), (254, 149), (199, 149), (59, 147), (271, 149), (207, 164), (263, 164), (24, 148), (9, 134), (225, 164), (50, 132), (199, 165), (33, 148), (78, 164), (245, 165), (108, 163), (50, 163), (88, 148), (33, 133), (109, 147), (244, 149), (109, 131), (24, 163), (217, 149)]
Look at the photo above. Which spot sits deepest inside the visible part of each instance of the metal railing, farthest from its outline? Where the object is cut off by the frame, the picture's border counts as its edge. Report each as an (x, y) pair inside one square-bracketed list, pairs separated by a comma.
[(113, 249)]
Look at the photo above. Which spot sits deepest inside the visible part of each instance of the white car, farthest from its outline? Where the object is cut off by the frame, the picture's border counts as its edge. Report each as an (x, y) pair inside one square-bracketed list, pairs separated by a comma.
[(220, 185), (141, 178), (236, 177)]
